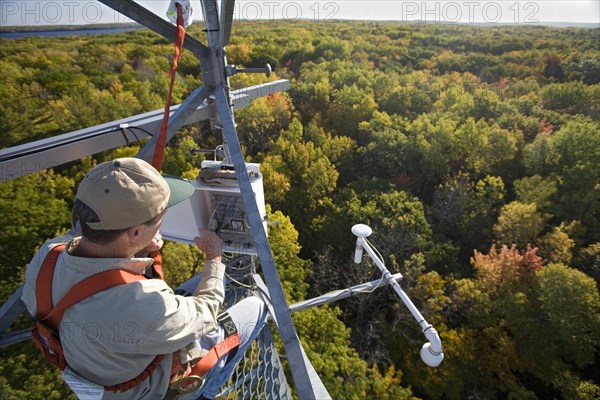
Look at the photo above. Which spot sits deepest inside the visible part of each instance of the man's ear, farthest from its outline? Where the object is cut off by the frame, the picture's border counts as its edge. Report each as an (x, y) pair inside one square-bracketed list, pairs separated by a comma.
[(134, 233)]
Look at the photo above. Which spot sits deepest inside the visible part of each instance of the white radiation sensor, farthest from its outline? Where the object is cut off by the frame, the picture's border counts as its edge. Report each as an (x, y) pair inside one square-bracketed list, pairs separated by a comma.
[(430, 357), (361, 231)]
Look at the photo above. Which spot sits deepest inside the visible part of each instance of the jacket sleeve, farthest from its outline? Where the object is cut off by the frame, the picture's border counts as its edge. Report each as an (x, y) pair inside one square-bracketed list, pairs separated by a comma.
[(179, 320)]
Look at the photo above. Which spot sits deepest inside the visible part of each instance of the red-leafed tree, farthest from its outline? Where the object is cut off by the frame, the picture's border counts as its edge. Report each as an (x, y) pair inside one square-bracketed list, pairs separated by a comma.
[(497, 269)]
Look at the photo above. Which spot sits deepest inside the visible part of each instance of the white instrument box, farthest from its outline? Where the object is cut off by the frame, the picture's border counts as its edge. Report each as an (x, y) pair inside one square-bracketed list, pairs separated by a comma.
[(217, 205)]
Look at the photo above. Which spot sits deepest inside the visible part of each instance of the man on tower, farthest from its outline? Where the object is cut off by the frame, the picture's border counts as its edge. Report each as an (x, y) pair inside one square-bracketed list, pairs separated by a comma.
[(103, 313)]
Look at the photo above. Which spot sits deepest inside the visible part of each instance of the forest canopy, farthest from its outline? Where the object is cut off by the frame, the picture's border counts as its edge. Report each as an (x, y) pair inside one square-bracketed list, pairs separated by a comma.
[(472, 152)]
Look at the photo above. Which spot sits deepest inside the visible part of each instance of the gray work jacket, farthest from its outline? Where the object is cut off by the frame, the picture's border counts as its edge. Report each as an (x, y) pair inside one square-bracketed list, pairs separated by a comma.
[(111, 337)]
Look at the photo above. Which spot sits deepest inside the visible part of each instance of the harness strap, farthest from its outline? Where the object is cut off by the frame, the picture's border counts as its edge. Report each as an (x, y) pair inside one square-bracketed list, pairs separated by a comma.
[(161, 142), (218, 351), (89, 287), (185, 379), (125, 386), (43, 284), (157, 266)]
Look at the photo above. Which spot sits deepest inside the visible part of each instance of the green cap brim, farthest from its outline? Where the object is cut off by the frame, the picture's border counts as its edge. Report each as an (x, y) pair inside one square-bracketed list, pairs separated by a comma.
[(180, 189)]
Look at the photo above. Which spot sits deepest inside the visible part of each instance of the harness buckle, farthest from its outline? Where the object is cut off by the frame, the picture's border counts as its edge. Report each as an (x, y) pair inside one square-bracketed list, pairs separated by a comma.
[(227, 323), (188, 384)]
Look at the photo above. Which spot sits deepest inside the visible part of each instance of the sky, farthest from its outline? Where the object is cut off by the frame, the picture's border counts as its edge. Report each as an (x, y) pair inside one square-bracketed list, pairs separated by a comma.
[(77, 12)]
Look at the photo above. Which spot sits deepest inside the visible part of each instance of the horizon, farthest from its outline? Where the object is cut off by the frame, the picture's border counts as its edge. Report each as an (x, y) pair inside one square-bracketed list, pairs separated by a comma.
[(87, 12)]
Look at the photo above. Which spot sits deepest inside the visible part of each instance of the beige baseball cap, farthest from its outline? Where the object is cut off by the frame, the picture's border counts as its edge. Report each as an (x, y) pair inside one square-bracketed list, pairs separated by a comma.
[(128, 191)]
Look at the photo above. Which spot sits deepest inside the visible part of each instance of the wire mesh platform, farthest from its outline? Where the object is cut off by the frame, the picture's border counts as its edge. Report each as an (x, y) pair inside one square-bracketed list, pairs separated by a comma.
[(259, 375)]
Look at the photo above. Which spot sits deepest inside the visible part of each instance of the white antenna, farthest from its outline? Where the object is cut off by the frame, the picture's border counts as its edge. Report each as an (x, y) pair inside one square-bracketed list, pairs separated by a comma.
[(431, 352)]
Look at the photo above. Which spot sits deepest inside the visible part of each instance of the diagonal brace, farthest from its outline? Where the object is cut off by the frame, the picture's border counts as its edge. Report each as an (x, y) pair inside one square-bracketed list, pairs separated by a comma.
[(141, 15), (178, 119)]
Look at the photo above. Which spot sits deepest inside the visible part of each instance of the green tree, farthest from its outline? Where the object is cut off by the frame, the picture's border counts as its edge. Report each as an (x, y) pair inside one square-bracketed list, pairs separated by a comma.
[(331, 49), (394, 211), (408, 101), (89, 106), (260, 123), (483, 209), (557, 247), (311, 175), (325, 338), (450, 204), (456, 101), (179, 159), (25, 114), (570, 306), (344, 373), (385, 154), (518, 224), (340, 150), (180, 262), (293, 270), (536, 190), (43, 382), (588, 261), (578, 146), (570, 156), (311, 99), (349, 106), (568, 97), (590, 69), (34, 208)]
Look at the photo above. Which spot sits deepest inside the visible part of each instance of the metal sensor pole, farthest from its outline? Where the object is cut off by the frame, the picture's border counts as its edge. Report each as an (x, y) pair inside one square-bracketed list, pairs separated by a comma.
[(431, 352)]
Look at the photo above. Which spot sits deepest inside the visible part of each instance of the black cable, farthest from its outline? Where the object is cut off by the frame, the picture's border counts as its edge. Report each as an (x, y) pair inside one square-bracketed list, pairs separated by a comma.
[(131, 129), (141, 129), (125, 136)]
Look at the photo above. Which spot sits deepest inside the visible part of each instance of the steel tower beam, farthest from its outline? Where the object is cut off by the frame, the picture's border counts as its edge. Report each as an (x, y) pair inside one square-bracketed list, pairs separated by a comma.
[(141, 15), (36, 156), (216, 81), (338, 295), (227, 8), (299, 363)]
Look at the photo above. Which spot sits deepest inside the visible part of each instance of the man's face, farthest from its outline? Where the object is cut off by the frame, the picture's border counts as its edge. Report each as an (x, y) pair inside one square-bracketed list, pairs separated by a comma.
[(148, 232)]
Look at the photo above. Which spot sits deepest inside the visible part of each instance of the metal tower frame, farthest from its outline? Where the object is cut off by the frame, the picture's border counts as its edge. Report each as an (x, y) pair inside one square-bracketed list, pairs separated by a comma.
[(212, 100)]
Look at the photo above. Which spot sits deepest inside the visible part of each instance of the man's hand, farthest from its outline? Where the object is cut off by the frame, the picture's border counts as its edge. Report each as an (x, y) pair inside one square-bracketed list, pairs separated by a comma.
[(210, 244)]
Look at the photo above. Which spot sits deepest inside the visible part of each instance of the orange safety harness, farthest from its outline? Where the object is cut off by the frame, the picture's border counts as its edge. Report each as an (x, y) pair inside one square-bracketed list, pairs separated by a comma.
[(187, 378), (46, 338), (45, 333)]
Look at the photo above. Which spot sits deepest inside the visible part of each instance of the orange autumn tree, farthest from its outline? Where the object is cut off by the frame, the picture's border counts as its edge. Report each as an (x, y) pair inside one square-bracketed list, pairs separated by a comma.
[(498, 269)]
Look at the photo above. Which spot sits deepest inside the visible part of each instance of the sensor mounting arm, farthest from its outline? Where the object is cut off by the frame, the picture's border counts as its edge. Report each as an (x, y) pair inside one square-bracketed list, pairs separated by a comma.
[(431, 352)]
